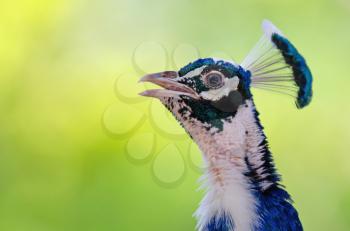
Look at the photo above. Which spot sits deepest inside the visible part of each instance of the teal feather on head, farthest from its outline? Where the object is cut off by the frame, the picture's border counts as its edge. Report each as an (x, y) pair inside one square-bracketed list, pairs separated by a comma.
[(276, 65), (301, 72)]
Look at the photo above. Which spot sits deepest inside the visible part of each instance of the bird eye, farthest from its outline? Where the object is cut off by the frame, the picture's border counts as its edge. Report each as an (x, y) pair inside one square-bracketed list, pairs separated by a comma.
[(214, 80)]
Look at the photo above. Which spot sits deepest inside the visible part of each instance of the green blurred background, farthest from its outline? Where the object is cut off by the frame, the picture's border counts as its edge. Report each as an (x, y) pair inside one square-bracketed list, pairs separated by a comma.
[(80, 150)]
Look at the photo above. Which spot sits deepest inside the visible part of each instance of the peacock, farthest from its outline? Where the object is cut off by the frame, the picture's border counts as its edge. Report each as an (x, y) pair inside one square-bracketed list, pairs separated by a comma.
[(212, 99)]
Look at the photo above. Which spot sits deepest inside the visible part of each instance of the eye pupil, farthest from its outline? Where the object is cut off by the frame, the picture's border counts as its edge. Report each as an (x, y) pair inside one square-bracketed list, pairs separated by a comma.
[(214, 80)]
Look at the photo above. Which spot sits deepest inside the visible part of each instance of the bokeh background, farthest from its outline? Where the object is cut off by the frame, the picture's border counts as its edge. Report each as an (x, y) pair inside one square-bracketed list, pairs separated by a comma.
[(79, 150)]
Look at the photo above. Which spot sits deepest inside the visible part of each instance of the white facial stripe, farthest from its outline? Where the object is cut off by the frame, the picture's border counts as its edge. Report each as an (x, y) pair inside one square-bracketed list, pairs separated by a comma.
[(190, 74), (216, 94), (199, 70)]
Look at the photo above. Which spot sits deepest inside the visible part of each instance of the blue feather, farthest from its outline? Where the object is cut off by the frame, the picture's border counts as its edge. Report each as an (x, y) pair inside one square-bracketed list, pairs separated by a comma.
[(220, 223), (194, 65), (276, 211), (301, 72)]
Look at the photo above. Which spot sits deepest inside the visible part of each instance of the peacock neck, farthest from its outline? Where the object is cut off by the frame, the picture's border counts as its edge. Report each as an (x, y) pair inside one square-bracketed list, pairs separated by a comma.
[(240, 145), (240, 178)]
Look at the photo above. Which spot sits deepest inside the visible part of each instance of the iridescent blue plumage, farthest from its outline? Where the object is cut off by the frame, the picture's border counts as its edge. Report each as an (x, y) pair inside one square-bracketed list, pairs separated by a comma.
[(276, 65), (198, 63), (221, 222), (301, 72), (276, 211)]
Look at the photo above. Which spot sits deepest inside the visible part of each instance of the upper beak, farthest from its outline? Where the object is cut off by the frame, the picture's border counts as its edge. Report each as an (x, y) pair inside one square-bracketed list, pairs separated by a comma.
[(171, 88)]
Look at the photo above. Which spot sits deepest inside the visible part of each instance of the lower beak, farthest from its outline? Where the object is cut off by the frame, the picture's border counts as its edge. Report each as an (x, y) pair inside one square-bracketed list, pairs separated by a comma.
[(171, 88)]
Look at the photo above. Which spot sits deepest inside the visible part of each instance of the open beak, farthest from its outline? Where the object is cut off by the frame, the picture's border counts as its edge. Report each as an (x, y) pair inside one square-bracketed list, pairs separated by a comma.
[(171, 88)]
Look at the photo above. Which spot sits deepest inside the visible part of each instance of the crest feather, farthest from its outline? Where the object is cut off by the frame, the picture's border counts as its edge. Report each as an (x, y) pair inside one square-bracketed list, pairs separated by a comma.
[(276, 65)]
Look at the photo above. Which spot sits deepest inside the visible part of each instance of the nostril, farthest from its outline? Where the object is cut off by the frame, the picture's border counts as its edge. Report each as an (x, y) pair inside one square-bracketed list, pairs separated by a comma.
[(169, 74)]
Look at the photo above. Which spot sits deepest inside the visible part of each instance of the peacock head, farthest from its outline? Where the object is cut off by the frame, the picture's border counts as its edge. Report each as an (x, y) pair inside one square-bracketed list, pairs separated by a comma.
[(212, 90), (216, 83)]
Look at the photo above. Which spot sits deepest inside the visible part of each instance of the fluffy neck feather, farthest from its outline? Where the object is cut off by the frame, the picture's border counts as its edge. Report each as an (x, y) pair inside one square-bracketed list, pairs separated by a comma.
[(236, 165)]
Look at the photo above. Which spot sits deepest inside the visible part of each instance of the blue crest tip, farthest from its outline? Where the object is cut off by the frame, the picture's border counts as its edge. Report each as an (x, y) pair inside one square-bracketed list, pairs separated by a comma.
[(301, 72)]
